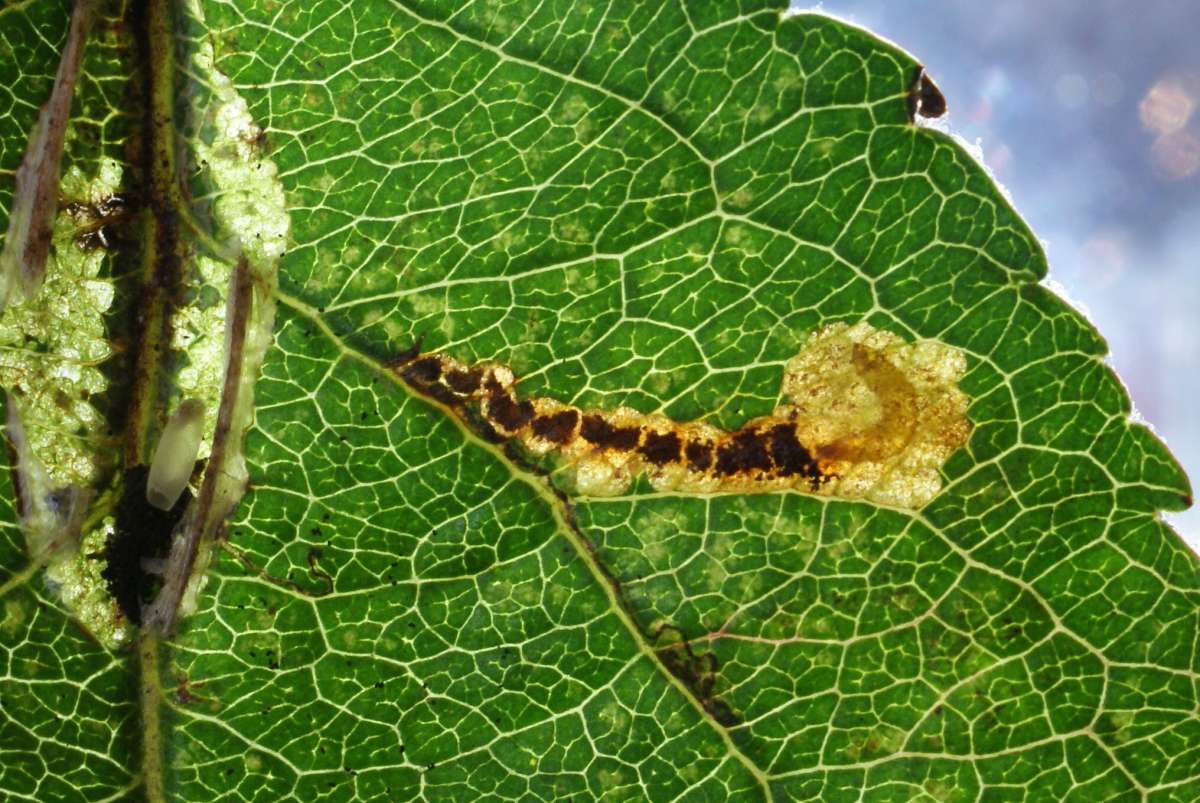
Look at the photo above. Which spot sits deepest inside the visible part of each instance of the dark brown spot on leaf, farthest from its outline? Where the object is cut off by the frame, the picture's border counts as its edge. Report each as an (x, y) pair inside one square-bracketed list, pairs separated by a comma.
[(660, 447), (699, 455), (423, 375), (463, 382), (504, 411), (597, 430), (789, 455), (699, 674), (441, 393), (745, 451), (406, 356), (557, 427), (424, 371), (722, 713)]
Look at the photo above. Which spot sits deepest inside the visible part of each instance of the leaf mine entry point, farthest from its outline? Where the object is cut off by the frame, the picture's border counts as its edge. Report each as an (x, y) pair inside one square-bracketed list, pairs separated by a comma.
[(864, 415)]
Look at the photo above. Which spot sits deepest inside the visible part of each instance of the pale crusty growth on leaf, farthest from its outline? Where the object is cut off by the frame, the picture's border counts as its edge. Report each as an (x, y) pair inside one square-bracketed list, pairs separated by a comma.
[(53, 520), (55, 342), (247, 201), (54, 339), (52, 345), (864, 416), (79, 580), (240, 186)]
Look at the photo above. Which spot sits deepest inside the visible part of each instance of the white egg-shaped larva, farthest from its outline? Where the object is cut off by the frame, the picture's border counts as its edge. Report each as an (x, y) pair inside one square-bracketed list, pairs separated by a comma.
[(176, 455)]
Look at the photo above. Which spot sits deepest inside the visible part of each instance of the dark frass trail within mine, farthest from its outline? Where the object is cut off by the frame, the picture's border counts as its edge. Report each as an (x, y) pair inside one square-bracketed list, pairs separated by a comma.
[(864, 415), (756, 451), (142, 538)]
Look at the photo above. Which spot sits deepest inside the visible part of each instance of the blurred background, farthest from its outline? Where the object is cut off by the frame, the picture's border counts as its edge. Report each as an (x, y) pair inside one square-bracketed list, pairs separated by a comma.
[(1089, 114)]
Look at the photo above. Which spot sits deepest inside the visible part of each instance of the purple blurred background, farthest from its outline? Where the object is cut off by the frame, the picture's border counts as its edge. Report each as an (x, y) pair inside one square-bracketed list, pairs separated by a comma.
[(1089, 114)]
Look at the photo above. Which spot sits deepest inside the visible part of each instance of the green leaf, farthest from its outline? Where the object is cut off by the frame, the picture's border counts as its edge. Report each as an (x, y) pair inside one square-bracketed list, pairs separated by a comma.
[(649, 208)]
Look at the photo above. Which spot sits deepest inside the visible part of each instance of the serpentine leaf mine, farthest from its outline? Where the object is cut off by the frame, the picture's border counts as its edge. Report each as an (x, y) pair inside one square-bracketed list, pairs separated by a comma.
[(865, 415)]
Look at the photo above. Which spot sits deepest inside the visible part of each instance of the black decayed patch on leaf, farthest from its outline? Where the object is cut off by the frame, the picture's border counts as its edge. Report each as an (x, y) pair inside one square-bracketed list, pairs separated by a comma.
[(660, 448), (699, 456), (745, 451), (406, 356), (463, 382), (143, 532), (598, 431), (789, 455), (425, 371), (556, 427), (424, 374), (503, 410)]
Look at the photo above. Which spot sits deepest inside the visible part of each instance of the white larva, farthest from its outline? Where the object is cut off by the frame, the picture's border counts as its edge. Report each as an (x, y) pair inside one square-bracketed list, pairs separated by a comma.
[(176, 455)]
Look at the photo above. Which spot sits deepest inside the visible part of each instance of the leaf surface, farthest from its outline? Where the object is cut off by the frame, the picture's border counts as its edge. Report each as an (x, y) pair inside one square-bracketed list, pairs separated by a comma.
[(651, 206)]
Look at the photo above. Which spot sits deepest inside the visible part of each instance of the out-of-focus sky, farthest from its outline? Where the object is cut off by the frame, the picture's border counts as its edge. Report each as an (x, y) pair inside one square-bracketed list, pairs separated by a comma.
[(1088, 112)]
